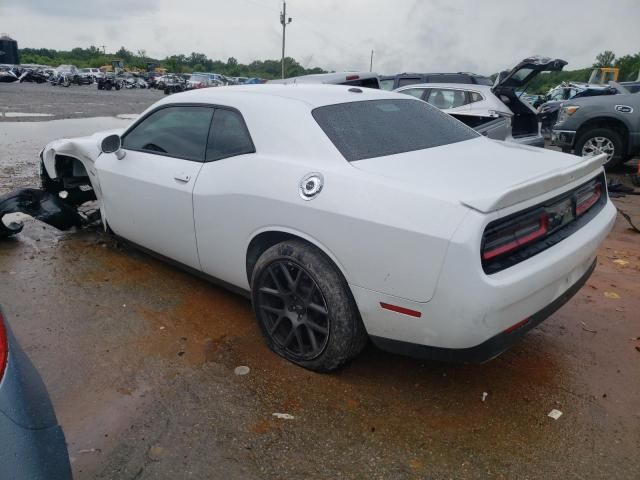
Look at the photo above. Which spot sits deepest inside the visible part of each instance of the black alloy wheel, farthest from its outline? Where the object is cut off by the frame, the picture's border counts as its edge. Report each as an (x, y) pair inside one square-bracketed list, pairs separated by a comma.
[(295, 311)]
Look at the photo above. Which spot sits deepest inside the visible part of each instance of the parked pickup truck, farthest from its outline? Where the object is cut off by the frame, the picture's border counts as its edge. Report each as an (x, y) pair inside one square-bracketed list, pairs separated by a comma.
[(606, 124)]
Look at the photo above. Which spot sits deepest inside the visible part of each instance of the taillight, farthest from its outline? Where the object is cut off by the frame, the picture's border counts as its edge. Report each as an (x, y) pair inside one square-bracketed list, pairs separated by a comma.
[(587, 197), (511, 235), (4, 347), (352, 77)]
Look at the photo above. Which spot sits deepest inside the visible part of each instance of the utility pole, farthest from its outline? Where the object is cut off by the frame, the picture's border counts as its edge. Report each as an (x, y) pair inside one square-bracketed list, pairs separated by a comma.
[(104, 51), (284, 21), (371, 62)]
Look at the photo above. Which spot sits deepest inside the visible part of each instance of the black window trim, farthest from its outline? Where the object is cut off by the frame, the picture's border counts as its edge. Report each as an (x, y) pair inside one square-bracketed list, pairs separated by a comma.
[(213, 107)]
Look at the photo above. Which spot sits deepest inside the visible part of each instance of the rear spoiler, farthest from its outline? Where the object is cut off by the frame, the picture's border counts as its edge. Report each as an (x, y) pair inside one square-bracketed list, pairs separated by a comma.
[(538, 185)]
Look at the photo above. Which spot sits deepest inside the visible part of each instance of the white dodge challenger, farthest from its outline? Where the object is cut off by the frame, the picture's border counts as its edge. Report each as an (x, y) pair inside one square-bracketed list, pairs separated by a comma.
[(348, 214)]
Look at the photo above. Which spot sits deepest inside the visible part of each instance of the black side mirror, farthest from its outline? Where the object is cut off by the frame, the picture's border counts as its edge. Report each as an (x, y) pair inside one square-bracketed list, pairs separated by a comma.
[(111, 144)]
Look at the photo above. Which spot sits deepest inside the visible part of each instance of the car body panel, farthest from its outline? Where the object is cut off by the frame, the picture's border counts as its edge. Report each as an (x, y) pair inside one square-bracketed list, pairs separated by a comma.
[(520, 75), (140, 180), (32, 445)]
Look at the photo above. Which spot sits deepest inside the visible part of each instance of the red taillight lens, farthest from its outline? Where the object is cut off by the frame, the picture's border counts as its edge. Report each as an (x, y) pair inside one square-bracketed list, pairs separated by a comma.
[(352, 77), (4, 347), (587, 198), (514, 235)]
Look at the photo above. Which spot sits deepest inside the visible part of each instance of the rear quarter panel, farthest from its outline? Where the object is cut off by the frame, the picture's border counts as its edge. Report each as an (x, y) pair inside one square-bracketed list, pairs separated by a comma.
[(382, 235)]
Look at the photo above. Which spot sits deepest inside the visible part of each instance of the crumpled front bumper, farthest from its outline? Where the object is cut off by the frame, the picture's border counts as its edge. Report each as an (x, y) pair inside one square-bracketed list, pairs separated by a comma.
[(44, 206)]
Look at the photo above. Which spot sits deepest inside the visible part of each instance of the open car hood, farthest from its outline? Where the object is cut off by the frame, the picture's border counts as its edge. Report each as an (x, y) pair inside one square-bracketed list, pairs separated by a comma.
[(526, 70)]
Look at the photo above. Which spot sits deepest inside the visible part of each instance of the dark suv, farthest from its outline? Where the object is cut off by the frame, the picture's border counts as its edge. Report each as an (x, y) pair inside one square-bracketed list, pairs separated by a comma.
[(391, 82)]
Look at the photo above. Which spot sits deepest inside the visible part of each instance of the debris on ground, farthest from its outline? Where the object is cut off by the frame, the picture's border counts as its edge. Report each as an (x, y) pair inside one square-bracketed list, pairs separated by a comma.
[(555, 414), (621, 263), (484, 396), (283, 416), (587, 329), (90, 450), (155, 453), (241, 370), (629, 221), (612, 295)]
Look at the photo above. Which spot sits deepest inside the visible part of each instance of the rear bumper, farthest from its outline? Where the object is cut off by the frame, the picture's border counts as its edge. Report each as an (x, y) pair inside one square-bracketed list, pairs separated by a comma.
[(563, 138), (471, 309), (27, 454), (490, 348)]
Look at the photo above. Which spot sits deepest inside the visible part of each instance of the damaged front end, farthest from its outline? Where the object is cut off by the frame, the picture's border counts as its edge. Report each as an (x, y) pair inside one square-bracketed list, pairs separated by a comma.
[(68, 180), (41, 205)]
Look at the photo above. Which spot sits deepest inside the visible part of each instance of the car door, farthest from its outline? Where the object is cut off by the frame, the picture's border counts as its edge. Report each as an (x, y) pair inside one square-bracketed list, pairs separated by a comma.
[(148, 194)]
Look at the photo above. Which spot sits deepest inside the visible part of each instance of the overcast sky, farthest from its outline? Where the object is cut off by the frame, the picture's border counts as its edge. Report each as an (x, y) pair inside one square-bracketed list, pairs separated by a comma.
[(481, 36)]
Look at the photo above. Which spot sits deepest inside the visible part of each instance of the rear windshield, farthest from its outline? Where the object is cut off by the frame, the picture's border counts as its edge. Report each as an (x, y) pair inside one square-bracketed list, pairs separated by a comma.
[(375, 128)]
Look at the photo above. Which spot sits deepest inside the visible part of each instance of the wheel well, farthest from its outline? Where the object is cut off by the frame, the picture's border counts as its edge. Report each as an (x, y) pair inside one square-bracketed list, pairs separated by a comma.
[(260, 243), (68, 167), (604, 122)]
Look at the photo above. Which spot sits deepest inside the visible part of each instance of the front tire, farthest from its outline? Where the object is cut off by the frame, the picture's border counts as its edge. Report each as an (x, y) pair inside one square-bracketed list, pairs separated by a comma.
[(304, 307), (601, 140)]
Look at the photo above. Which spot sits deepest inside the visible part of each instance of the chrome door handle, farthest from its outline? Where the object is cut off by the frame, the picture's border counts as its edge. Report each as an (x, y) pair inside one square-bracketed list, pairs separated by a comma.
[(182, 177)]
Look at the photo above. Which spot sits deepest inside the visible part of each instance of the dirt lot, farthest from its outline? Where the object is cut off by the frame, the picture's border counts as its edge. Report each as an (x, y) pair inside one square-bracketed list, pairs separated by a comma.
[(139, 359)]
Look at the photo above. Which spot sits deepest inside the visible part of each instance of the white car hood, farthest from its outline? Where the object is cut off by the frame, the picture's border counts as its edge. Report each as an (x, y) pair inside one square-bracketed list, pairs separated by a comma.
[(483, 174)]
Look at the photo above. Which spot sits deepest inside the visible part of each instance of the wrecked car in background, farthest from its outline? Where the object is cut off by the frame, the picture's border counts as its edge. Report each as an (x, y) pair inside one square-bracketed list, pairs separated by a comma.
[(548, 111), (605, 125), (516, 229), (495, 111)]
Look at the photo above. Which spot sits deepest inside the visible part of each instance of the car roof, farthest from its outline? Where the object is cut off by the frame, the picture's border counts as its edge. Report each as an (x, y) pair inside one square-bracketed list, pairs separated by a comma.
[(457, 86), (329, 78), (313, 95)]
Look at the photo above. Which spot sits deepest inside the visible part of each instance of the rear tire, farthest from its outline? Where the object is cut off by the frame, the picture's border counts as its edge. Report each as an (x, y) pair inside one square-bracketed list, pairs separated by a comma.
[(304, 307), (602, 140)]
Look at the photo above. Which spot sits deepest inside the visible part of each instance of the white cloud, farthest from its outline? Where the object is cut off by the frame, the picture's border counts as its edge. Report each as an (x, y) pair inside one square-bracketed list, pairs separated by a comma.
[(407, 35)]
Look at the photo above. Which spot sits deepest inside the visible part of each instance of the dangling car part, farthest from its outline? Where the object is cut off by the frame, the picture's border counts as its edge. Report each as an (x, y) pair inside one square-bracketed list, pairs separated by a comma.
[(301, 215), (479, 106), (44, 206)]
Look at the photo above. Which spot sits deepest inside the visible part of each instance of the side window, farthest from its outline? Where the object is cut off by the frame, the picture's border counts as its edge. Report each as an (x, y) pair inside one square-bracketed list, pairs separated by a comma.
[(174, 131), (474, 97), (228, 136), (414, 92), (445, 99)]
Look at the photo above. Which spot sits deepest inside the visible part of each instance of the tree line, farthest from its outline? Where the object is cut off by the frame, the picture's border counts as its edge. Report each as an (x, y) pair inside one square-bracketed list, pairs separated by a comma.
[(629, 65), (196, 62)]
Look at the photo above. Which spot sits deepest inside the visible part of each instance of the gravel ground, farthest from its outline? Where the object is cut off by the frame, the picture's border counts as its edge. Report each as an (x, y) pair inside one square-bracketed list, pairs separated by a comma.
[(29, 102), (139, 358)]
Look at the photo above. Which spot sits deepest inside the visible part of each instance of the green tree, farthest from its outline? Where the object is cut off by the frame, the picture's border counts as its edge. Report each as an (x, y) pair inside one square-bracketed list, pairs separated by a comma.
[(605, 59)]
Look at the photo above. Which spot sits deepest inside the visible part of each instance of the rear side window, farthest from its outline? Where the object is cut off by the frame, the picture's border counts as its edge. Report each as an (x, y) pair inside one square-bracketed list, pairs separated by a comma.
[(376, 128), (445, 99), (229, 136), (173, 131)]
